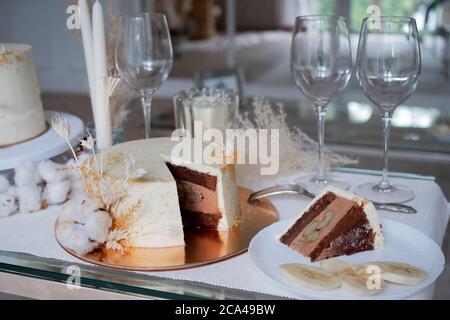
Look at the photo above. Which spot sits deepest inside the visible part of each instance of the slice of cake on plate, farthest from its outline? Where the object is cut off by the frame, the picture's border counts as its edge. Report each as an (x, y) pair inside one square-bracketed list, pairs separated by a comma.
[(335, 223)]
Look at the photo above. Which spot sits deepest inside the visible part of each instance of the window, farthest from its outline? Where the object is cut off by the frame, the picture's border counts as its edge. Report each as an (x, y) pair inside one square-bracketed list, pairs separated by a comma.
[(358, 9), (326, 7)]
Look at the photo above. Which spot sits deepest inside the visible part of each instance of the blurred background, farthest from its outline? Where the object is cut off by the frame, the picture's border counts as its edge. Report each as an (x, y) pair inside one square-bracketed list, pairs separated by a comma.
[(249, 40), (245, 45)]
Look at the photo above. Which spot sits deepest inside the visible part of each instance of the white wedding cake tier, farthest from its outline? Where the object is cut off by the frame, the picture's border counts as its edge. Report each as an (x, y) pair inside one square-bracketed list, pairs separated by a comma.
[(172, 193), (21, 112)]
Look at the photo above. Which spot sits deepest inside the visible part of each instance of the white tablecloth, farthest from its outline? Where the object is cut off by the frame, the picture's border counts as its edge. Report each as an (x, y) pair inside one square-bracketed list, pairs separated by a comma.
[(33, 234)]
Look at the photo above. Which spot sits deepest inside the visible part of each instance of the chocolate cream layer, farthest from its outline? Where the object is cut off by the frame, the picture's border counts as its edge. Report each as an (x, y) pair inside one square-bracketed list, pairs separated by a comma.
[(197, 196), (310, 237), (307, 217), (353, 234), (332, 226)]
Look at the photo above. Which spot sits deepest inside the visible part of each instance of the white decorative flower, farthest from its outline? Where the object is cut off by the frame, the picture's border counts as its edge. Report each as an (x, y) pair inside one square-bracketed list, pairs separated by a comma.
[(112, 190), (88, 143), (61, 125), (225, 152), (111, 82), (138, 173), (130, 162), (130, 168), (114, 238)]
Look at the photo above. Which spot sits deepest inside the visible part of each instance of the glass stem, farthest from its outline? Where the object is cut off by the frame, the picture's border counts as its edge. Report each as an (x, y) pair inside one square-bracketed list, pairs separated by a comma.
[(385, 184), (146, 99), (320, 114)]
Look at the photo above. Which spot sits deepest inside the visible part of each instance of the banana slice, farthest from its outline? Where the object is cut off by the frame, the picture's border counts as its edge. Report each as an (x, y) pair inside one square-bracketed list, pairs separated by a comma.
[(311, 277), (400, 273), (359, 284), (335, 265)]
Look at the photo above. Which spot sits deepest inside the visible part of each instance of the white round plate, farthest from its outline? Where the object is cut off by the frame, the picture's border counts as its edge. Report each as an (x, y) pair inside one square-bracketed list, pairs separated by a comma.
[(402, 244), (45, 146)]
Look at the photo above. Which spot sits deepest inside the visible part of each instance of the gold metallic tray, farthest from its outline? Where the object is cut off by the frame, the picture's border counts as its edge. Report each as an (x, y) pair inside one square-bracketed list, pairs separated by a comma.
[(202, 246)]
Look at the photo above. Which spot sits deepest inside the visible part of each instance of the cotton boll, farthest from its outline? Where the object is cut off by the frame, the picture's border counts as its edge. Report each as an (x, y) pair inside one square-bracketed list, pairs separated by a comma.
[(78, 208), (71, 213), (26, 174), (76, 188), (11, 191), (7, 205), (4, 184), (71, 163), (97, 225), (73, 172), (90, 204), (51, 171), (29, 197), (56, 192), (74, 236)]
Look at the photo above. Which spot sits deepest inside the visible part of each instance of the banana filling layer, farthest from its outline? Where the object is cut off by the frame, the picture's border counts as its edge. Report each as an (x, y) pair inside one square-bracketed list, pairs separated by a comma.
[(314, 232), (336, 223), (197, 196)]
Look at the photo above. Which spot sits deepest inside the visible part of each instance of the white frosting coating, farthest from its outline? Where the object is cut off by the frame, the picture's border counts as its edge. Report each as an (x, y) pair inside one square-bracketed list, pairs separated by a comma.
[(21, 112), (157, 221)]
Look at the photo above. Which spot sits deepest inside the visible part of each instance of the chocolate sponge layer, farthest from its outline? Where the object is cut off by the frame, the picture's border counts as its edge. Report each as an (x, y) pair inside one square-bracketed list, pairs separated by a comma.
[(307, 217), (351, 235), (200, 178)]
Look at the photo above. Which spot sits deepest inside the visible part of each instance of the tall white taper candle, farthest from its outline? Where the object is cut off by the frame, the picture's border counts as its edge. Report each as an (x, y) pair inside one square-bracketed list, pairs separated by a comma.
[(103, 119), (86, 34)]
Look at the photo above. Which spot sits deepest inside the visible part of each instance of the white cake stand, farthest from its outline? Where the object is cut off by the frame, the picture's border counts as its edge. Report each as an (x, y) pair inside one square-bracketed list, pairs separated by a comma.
[(45, 146)]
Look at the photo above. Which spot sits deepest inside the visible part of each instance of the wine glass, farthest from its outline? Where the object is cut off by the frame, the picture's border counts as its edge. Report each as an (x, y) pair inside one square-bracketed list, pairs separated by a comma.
[(388, 69), (321, 66), (144, 56)]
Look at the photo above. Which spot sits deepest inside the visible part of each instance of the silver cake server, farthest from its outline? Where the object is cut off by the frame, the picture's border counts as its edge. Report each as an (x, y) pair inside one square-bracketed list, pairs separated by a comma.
[(298, 189)]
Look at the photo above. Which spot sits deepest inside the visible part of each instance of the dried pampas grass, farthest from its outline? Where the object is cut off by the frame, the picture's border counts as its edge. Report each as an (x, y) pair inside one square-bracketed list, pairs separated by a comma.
[(298, 152)]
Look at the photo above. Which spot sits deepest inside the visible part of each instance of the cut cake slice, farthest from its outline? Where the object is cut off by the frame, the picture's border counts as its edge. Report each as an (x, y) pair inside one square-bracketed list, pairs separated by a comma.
[(335, 223)]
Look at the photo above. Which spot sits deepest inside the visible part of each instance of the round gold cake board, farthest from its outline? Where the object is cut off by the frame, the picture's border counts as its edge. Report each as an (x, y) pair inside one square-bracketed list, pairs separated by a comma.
[(202, 246)]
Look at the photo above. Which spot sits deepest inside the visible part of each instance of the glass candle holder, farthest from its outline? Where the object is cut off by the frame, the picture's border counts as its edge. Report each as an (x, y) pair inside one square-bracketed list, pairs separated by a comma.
[(216, 109)]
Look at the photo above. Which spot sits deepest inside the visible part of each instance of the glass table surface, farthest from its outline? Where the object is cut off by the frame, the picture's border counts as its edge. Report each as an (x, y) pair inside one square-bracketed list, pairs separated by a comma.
[(141, 285)]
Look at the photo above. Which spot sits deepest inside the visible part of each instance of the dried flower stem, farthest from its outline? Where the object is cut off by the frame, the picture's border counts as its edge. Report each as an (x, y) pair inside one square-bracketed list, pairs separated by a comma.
[(110, 85), (61, 125), (89, 143), (72, 150), (298, 150)]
